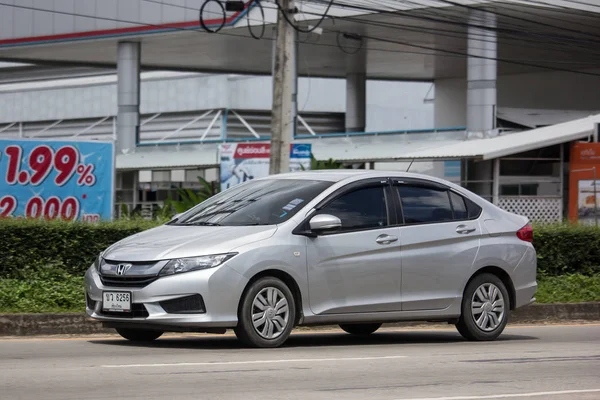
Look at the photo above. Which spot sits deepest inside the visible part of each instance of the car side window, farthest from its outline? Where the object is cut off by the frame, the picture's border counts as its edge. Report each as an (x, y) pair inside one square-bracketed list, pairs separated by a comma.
[(473, 210), (421, 205), (459, 206), (360, 209)]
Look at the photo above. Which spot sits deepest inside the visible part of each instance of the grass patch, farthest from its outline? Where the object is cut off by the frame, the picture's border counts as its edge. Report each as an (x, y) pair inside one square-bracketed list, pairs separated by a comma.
[(50, 289), (573, 288)]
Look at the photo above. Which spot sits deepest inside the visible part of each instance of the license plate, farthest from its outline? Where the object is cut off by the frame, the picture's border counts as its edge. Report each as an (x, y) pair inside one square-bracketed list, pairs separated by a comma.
[(116, 301)]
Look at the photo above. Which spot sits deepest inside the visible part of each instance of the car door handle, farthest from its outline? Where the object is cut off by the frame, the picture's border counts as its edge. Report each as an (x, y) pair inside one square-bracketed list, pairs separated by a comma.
[(386, 239), (464, 230)]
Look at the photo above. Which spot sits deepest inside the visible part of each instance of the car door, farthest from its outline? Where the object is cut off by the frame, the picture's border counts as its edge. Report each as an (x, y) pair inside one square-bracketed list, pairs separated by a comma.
[(440, 240), (357, 268)]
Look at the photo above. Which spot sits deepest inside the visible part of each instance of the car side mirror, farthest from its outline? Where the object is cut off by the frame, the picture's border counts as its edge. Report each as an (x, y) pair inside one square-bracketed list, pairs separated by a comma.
[(324, 222)]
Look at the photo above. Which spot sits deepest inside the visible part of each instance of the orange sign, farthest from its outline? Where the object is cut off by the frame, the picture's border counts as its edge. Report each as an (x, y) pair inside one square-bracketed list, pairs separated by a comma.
[(584, 195)]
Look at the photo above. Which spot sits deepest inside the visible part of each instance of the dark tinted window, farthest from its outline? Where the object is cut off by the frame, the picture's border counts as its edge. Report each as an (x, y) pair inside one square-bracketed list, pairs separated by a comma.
[(360, 209), (424, 205), (473, 209), (459, 206), (261, 202)]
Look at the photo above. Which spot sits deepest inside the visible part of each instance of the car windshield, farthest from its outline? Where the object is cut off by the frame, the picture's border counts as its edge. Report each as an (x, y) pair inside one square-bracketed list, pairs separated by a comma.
[(260, 202)]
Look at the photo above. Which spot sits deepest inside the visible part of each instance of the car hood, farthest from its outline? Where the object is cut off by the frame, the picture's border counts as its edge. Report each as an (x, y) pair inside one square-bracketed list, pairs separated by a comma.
[(171, 241)]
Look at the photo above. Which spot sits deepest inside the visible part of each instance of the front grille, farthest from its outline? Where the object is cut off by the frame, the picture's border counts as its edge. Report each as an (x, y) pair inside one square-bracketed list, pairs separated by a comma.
[(184, 305), (127, 281), (137, 311)]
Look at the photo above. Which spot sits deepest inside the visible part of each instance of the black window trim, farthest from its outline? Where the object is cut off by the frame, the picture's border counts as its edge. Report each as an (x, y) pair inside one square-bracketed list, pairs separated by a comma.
[(414, 182), (303, 229)]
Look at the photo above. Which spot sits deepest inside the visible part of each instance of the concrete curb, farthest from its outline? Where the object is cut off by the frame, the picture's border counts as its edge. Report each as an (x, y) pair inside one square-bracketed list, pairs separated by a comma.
[(78, 324)]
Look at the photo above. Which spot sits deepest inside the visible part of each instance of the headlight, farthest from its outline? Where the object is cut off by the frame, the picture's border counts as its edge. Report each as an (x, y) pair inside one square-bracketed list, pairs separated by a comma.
[(98, 263), (180, 265)]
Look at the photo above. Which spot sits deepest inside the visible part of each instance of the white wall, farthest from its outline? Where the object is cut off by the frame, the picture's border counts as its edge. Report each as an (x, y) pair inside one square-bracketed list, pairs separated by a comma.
[(390, 105), (314, 95), (399, 105), (450, 102), (545, 90), (97, 97)]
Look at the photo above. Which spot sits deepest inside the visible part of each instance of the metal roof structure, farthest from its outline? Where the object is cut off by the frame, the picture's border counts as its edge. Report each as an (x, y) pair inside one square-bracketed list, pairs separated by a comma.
[(444, 144), (536, 118), (156, 159), (385, 146), (509, 144), (413, 41)]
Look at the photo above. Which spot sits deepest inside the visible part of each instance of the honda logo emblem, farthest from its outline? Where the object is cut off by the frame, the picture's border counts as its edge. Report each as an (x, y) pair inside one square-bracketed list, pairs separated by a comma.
[(123, 268)]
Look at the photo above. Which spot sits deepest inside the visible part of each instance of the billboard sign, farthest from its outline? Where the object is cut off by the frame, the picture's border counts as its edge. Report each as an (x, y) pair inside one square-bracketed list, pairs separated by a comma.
[(584, 183), (56, 179), (241, 162)]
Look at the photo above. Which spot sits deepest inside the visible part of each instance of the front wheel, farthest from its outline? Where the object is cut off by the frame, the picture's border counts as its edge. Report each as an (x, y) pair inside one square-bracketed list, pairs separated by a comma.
[(267, 314), (139, 335), (360, 329), (485, 309)]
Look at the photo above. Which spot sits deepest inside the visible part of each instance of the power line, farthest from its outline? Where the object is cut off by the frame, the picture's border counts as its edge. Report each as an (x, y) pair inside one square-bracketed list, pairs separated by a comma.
[(189, 30), (516, 42), (401, 13), (146, 24), (309, 30), (540, 23), (436, 51), (458, 53), (454, 33)]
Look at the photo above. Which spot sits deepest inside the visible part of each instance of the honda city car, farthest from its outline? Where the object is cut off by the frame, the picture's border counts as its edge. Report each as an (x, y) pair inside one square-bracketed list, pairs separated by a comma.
[(347, 247)]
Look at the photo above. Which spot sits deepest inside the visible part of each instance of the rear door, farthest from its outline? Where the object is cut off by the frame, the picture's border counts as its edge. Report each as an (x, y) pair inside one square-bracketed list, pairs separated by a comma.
[(440, 239), (357, 269)]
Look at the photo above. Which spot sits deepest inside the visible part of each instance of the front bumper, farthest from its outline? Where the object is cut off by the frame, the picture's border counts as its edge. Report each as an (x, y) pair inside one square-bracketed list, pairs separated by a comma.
[(220, 290)]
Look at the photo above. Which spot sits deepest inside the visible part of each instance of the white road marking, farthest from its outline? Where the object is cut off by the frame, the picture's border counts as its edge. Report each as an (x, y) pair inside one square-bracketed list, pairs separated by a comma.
[(297, 360), (509, 395)]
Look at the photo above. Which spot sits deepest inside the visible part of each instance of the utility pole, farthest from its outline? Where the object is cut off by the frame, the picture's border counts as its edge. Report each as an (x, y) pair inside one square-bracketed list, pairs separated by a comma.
[(282, 115)]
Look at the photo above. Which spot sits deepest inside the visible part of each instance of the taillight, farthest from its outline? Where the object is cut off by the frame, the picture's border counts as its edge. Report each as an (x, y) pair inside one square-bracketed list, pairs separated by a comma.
[(526, 233)]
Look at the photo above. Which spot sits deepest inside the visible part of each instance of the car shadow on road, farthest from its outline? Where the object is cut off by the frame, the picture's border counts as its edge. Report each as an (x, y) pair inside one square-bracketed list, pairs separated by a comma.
[(301, 339)]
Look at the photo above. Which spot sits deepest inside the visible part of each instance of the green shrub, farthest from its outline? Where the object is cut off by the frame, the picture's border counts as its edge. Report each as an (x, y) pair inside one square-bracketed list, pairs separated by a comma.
[(567, 249), (47, 289), (51, 289), (574, 288), (26, 244)]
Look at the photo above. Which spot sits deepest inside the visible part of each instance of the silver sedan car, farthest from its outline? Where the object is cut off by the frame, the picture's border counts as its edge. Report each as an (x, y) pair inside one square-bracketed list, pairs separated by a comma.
[(353, 248)]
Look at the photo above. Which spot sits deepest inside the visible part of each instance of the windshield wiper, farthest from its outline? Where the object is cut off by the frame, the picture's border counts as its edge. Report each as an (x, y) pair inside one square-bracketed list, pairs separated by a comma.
[(201, 224)]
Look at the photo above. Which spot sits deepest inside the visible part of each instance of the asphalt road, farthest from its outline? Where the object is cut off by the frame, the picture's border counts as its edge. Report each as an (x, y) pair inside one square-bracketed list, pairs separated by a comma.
[(543, 362)]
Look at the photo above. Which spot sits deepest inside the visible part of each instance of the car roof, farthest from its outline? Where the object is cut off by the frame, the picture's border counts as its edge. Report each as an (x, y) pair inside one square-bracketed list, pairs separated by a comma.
[(337, 175)]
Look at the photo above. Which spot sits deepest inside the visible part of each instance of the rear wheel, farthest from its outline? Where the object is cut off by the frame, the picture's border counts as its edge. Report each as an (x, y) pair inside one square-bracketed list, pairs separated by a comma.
[(360, 329), (485, 309), (267, 314), (139, 335)]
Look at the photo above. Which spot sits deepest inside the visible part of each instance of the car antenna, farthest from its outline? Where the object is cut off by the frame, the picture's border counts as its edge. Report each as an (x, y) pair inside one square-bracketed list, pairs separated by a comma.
[(410, 165)]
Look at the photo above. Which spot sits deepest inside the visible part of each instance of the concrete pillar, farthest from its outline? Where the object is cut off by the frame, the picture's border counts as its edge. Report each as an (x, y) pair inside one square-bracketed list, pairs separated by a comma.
[(481, 74), (356, 102), (481, 89), (128, 96)]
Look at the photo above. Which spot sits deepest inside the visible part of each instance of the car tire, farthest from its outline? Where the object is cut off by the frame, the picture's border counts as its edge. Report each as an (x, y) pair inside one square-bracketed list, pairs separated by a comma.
[(360, 329), (485, 308), (267, 314), (139, 335)]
